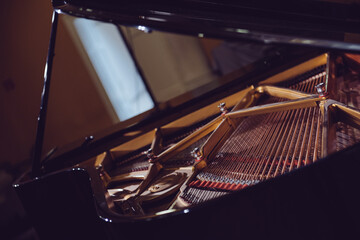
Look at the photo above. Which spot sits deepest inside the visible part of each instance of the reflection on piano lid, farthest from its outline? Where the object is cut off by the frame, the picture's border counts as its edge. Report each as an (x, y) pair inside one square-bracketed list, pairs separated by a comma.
[(272, 152)]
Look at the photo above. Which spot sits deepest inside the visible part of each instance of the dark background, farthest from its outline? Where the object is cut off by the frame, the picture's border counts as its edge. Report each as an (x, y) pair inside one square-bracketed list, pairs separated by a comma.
[(25, 29)]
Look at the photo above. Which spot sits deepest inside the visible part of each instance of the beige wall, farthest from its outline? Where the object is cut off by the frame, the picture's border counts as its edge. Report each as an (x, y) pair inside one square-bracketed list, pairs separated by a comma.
[(76, 109)]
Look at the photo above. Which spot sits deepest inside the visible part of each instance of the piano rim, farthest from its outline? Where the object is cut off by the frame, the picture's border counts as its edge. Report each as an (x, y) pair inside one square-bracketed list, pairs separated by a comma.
[(109, 216)]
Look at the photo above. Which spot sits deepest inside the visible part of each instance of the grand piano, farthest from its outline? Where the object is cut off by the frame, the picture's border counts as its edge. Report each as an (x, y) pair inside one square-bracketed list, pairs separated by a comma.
[(269, 149)]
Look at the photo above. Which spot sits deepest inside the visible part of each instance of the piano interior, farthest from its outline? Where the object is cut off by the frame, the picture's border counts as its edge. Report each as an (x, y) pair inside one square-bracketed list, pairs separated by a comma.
[(251, 149), (287, 121)]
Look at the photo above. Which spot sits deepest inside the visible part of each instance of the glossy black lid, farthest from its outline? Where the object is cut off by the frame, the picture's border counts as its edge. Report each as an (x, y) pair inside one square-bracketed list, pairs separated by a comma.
[(329, 24)]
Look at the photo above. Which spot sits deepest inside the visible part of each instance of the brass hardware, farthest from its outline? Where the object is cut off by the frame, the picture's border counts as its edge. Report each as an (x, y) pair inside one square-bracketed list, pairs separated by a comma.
[(150, 155), (275, 107), (222, 107), (196, 153), (321, 90)]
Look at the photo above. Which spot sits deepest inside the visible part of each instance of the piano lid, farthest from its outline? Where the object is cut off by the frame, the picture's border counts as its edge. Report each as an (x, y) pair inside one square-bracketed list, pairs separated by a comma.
[(329, 24)]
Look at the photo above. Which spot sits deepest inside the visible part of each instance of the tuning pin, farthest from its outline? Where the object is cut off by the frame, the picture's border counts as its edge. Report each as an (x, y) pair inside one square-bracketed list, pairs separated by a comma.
[(321, 90), (223, 108), (150, 155), (196, 153)]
